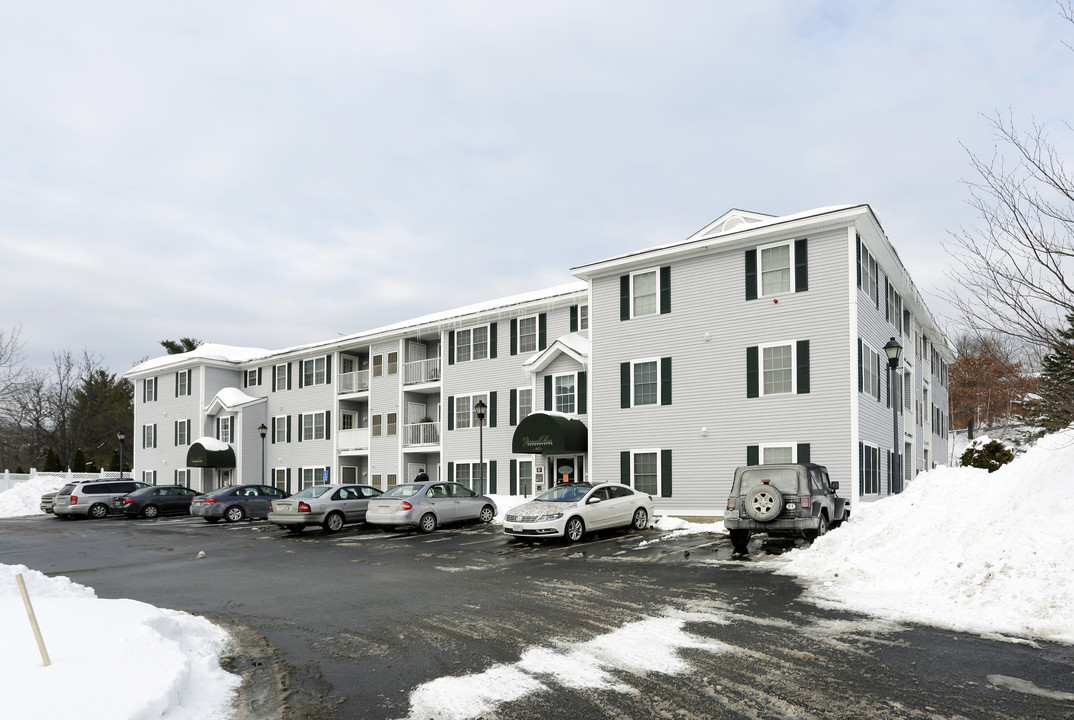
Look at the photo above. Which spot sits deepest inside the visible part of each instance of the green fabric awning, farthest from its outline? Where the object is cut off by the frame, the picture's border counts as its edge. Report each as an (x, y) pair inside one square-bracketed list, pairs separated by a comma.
[(550, 435), (210, 453)]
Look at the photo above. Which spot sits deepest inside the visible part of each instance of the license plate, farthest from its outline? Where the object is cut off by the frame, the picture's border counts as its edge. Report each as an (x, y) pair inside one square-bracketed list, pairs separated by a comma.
[(383, 509), (516, 528), (284, 507)]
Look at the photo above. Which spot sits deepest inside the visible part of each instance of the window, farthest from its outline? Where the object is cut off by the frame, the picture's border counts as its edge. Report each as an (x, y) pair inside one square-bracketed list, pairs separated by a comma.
[(472, 344), (527, 334), (894, 308), (313, 426), (525, 403), (525, 476), (777, 369), (391, 424), (378, 365), (149, 390), (182, 383), (470, 475), (465, 416), (583, 317), (564, 393), (224, 434), (182, 432), (646, 470), (149, 477), (149, 436), (775, 269), (182, 477), (646, 385), (643, 293), (393, 480), (866, 271), (870, 371), (251, 378), (314, 372), (314, 476), (771, 454), (869, 479), (907, 389), (393, 363), (279, 479), (279, 377), (279, 429), (378, 424)]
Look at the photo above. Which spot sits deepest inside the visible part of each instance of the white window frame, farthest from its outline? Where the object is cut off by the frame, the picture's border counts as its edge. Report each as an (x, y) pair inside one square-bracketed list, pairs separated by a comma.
[(634, 469), (762, 449), (573, 393), (634, 385), (793, 345), (182, 383), (870, 377), (583, 317), (280, 421), (226, 429), (279, 478), (522, 411), (469, 415), (182, 477), (182, 437), (313, 426), (311, 476), (789, 269), (868, 271), (279, 377), (392, 363), (149, 390), (472, 468), (149, 433), (527, 340), (251, 378), (655, 272), (468, 350), (318, 373), (864, 486), (149, 477), (391, 424), (525, 477)]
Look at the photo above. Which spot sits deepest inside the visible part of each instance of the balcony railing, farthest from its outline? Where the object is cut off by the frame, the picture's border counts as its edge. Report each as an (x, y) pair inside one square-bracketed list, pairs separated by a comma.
[(357, 439), (421, 371), (427, 433), (353, 382)]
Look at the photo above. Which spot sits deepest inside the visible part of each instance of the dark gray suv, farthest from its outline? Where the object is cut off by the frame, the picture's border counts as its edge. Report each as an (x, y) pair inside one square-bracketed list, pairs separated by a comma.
[(91, 498), (796, 500)]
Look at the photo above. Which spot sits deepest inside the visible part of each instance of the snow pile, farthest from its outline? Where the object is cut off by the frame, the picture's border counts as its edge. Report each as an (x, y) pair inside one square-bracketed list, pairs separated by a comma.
[(135, 660), (25, 498), (961, 549)]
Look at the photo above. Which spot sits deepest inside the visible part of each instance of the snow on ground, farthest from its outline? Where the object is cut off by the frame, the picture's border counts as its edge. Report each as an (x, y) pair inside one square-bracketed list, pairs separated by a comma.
[(25, 498), (137, 661), (961, 549)]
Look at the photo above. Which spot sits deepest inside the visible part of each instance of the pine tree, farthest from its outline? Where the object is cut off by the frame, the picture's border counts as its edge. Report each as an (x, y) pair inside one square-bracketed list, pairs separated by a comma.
[(990, 456), (79, 462), (52, 462), (1056, 390)]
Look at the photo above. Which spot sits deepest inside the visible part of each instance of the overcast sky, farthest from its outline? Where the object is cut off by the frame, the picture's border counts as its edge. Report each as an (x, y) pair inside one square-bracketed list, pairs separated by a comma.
[(269, 174)]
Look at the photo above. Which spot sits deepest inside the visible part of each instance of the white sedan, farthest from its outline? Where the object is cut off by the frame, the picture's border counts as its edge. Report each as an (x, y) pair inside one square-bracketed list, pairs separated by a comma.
[(572, 509)]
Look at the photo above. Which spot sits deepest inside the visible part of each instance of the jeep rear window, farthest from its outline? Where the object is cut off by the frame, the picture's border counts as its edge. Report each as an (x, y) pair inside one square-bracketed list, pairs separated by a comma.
[(786, 479)]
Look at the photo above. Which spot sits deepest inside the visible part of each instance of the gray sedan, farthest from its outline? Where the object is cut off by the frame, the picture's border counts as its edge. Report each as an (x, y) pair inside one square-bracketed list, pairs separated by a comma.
[(428, 505), (235, 503), (329, 506)]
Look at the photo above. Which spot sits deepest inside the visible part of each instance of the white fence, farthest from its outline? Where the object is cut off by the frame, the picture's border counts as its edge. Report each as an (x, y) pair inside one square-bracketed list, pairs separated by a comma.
[(9, 479)]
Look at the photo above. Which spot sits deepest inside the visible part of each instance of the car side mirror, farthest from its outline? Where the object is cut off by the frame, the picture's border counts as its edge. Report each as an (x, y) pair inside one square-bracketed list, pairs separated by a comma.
[(592, 501), (834, 485)]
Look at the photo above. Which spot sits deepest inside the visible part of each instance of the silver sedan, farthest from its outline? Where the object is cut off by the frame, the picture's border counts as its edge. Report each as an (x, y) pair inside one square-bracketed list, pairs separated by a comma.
[(330, 506), (429, 505)]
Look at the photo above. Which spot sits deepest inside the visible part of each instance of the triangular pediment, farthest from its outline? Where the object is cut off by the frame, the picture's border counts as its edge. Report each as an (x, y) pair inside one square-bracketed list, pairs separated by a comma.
[(729, 221)]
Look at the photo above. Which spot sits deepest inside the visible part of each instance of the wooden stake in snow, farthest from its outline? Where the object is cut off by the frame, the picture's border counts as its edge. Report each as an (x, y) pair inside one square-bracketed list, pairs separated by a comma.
[(33, 619)]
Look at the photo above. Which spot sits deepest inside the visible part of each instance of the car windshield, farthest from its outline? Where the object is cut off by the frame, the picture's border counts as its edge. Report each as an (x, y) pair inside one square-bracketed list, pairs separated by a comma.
[(312, 492), (564, 493), (403, 491)]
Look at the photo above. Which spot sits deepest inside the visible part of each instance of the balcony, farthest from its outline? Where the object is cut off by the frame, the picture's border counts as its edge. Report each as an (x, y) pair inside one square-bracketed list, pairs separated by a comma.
[(421, 371), (353, 382), (427, 433), (356, 439)]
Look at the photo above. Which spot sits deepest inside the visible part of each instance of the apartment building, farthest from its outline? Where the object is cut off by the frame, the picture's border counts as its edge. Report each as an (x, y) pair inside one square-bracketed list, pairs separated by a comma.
[(757, 339)]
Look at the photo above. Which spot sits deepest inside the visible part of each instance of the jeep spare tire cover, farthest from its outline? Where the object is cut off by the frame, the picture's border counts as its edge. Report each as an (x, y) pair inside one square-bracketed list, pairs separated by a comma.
[(764, 503)]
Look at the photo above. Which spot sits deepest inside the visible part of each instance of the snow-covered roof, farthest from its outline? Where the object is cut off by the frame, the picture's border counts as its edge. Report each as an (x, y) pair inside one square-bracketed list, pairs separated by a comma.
[(209, 352), (231, 398), (211, 443), (573, 344)]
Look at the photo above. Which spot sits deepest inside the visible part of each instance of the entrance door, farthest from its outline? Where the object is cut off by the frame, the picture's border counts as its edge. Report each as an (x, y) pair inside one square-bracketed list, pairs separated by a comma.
[(562, 469)]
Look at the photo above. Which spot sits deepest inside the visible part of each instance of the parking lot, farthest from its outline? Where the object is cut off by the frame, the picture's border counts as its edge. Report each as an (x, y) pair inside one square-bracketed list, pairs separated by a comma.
[(349, 625)]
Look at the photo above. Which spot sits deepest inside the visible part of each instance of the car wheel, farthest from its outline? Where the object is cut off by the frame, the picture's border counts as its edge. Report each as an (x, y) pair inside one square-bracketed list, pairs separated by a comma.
[(333, 523), (641, 519), (98, 511), (234, 514), (764, 503), (427, 523), (296, 529), (574, 529), (822, 528), (487, 514), (740, 539), (150, 511)]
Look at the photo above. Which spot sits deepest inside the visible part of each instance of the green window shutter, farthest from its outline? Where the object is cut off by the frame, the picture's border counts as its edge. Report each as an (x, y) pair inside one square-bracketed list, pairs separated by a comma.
[(514, 336), (665, 381), (801, 266), (451, 472), (574, 318), (513, 477), (542, 331), (753, 454), (753, 374), (665, 473), (861, 468), (451, 413), (624, 297), (803, 366), (492, 341), (154, 433), (624, 467), (188, 439), (175, 437), (258, 377), (273, 425), (665, 289), (624, 385), (300, 427), (751, 274), (328, 425), (301, 374), (217, 428), (288, 481), (857, 246), (176, 384), (245, 378), (513, 412), (288, 428), (451, 347), (492, 477), (328, 369), (492, 409), (328, 474), (878, 375), (156, 388), (861, 381), (803, 452), (583, 394), (548, 392), (288, 376)]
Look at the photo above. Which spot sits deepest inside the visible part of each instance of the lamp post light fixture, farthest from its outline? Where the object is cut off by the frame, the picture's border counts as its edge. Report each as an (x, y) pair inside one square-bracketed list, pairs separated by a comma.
[(262, 430), (122, 436), (894, 351), (479, 410)]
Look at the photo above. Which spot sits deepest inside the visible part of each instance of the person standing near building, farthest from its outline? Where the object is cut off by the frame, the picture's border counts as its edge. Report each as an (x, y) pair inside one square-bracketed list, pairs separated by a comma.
[(422, 477)]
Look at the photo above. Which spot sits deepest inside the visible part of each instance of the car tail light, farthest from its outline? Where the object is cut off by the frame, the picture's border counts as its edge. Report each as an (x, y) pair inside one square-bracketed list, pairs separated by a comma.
[(731, 502), (74, 499), (807, 501), (209, 500), (406, 506), (127, 501), (303, 507)]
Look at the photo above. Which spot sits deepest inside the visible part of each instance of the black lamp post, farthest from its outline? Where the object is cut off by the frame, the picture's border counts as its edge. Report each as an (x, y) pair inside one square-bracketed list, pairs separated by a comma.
[(894, 350), (122, 439), (261, 430), (480, 409)]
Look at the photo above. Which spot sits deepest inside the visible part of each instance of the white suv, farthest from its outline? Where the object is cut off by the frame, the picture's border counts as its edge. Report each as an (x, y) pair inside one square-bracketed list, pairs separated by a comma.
[(91, 498)]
